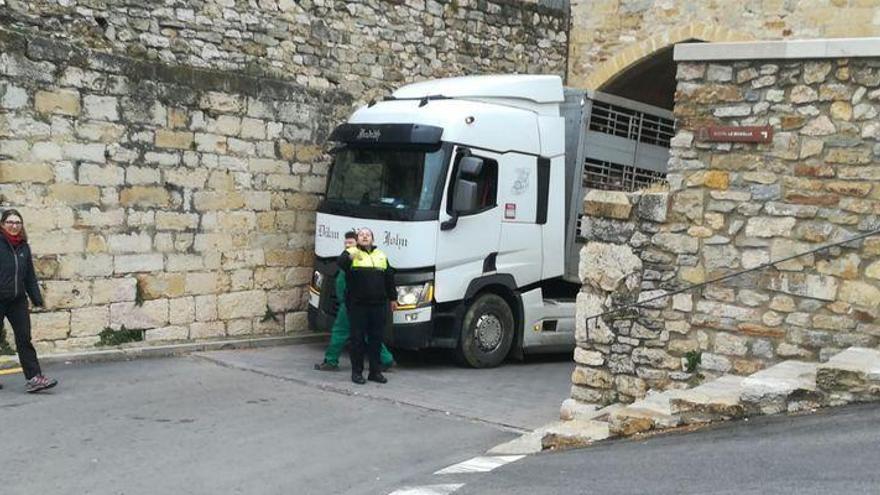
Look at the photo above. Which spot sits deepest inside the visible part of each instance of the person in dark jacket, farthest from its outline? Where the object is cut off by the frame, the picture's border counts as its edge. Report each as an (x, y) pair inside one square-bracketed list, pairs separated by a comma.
[(18, 281), (370, 282)]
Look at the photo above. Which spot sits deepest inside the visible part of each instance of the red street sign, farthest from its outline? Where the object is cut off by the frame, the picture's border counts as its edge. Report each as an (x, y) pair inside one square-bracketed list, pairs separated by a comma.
[(737, 134)]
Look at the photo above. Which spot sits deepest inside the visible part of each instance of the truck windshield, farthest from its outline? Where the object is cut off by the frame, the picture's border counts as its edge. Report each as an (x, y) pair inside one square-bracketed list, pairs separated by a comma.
[(379, 181)]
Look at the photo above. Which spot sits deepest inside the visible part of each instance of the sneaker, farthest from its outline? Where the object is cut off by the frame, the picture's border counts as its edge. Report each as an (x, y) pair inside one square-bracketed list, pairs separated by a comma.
[(39, 383), (377, 377), (359, 379), (325, 366)]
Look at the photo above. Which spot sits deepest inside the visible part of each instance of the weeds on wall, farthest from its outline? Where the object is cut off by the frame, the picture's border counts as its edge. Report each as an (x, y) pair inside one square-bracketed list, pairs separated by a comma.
[(110, 337)]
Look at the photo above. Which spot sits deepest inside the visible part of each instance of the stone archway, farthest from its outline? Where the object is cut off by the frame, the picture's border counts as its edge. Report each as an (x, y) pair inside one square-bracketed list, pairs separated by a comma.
[(625, 59)]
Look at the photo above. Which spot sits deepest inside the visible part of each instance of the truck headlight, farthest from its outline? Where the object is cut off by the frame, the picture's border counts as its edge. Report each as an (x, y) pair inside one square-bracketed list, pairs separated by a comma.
[(317, 280), (413, 296)]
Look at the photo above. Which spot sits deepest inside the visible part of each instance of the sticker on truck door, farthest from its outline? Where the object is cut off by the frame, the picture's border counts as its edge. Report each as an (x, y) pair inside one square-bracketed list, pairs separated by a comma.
[(510, 211)]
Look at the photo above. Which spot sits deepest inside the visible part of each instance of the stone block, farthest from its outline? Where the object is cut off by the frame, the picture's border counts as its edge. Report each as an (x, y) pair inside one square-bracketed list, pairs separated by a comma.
[(860, 293), (222, 102), (60, 102), (18, 172), (182, 310), (79, 267), (592, 377), (770, 226), (207, 330), (133, 263), (206, 307), (241, 304), (144, 196), (159, 285), (206, 283), (676, 243), (74, 195), (731, 345), (296, 322), (66, 294), (89, 321), (151, 314), (653, 207), (186, 178), (110, 290), (50, 326), (180, 140), (605, 266), (101, 107), (820, 287), (166, 220), (166, 334), (588, 358), (607, 204), (204, 201), (130, 243), (656, 358)]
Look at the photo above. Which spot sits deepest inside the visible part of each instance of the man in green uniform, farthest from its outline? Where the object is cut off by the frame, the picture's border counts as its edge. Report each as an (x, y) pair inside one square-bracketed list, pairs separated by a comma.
[(341, 330)]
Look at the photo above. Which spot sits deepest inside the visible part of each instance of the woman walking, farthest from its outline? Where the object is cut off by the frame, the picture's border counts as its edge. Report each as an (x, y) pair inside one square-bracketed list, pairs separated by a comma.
[(18, 281)]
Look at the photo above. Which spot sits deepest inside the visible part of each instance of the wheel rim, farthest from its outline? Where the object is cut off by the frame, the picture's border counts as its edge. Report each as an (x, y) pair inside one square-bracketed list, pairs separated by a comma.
[(488, 332)]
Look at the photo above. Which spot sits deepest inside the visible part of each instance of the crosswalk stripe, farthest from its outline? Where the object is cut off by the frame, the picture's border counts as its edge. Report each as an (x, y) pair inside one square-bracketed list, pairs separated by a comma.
[(482, 464), (429, 489)]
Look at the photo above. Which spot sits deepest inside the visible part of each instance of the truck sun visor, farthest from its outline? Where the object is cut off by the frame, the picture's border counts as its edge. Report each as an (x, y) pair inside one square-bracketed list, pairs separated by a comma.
[(366, 134)]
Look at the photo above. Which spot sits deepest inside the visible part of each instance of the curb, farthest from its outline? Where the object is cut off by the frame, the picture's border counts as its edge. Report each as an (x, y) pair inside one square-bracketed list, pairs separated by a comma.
[(169, 350)]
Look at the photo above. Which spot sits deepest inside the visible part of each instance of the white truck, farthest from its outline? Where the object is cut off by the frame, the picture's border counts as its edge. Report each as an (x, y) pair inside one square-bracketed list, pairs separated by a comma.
[(474, 186)]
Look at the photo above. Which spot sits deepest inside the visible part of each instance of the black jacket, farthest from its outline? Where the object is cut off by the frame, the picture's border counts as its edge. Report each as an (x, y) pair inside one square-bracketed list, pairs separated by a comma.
[(17, 275), (367, 285)]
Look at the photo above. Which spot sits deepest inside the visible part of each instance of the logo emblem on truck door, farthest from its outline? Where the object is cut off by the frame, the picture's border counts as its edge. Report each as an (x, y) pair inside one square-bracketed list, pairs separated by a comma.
[(521, 184)]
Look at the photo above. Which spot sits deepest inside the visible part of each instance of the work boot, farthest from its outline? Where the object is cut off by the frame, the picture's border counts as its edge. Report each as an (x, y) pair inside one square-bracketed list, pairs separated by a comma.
[(377, 377), (325, 366), (39, 383), (359, 379)]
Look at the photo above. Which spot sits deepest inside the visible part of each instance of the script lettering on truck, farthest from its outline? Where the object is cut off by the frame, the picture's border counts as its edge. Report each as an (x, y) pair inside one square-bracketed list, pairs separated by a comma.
[(396, 240), (371, 134), (327, 232)]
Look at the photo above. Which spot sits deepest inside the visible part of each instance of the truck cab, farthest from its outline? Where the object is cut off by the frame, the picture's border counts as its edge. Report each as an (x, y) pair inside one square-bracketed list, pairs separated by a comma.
[(469, 189)]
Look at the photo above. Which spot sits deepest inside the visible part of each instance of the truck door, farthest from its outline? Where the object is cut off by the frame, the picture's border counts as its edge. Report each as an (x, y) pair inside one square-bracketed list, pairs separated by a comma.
[(467, 250)]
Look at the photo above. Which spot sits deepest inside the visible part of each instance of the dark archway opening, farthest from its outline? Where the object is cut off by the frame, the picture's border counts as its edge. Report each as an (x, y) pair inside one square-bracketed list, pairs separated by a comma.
[(650, 81)]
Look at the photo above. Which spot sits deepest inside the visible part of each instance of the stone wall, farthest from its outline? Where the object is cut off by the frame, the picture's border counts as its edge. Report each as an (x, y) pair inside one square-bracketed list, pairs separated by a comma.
[(607, 36), (363, 47), (733, 207), (168, 162)]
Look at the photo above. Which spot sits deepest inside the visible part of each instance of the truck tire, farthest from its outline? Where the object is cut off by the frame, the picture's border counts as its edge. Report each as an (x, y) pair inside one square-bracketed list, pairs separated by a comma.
[(486, 332)]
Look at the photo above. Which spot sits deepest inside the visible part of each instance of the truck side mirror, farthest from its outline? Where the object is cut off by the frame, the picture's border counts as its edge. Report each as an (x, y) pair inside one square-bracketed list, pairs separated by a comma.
[(465, 199), (466, 189)]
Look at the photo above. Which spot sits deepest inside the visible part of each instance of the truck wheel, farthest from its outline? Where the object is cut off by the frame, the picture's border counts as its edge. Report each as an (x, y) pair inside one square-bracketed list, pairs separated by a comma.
[(486, 332)]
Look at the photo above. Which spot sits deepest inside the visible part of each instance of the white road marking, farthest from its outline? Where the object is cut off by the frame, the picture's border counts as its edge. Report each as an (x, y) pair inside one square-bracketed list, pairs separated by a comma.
[(482, 464), (429, 489)]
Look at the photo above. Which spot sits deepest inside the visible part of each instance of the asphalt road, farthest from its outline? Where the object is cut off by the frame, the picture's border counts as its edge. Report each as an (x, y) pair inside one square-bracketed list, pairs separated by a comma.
[(257, 422), (834, 451)]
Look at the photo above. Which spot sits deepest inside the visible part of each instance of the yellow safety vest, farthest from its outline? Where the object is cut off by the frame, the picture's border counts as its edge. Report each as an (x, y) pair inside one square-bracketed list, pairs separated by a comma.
[(362, 259)]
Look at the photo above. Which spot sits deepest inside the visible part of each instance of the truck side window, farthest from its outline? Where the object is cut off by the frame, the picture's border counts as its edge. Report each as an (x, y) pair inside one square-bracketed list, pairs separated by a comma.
[(487, 185)]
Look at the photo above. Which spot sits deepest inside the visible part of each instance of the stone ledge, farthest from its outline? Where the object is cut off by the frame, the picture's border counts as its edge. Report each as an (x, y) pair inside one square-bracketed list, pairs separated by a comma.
[(778, 50)]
